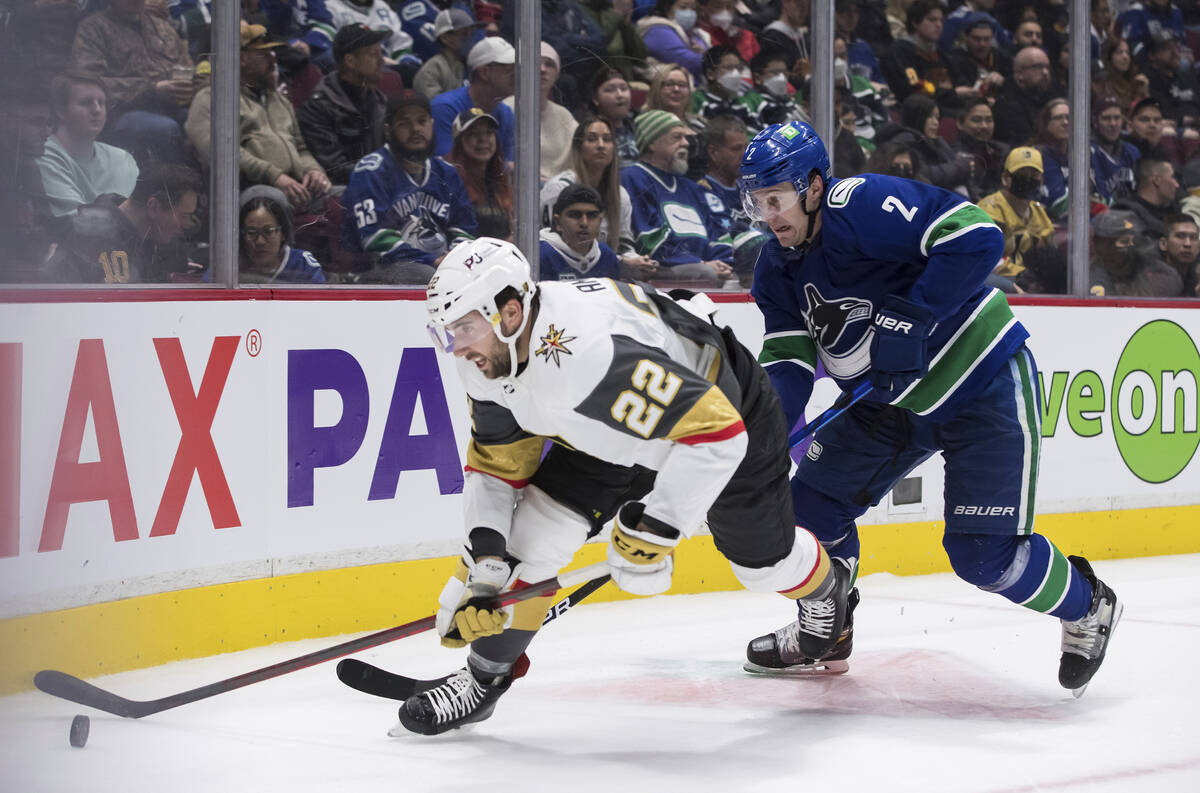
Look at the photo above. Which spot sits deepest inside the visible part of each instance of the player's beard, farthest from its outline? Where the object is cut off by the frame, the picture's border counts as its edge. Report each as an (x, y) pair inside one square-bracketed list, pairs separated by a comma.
[(499, 363)]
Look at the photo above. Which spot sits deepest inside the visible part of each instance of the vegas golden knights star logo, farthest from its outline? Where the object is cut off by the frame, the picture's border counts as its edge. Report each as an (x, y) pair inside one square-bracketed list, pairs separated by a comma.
[(554, 344)]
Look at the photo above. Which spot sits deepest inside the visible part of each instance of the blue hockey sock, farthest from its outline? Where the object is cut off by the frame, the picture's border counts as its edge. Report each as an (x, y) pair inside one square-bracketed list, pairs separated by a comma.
[(1029, 571), (1043, 580)]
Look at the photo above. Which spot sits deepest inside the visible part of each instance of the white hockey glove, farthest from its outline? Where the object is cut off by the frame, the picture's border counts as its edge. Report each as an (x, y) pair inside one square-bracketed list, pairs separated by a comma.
[(465, 608), (640, 561)]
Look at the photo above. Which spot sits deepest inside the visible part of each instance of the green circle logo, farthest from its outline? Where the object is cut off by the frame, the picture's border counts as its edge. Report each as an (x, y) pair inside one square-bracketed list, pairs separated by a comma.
[(1154, 406)]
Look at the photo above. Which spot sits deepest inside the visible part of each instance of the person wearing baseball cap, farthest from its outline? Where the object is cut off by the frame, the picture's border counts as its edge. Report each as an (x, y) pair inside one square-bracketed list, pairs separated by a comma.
[(343, 119), (1124, 263), (454, 30), (491, 73), (674, 219), (272, 149), (402, 204), (1022, 219), (476, 155)]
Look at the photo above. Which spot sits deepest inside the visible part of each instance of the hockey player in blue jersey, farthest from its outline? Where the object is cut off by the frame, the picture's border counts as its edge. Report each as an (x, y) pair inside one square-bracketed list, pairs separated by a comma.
[(881, 279), (404, 204)]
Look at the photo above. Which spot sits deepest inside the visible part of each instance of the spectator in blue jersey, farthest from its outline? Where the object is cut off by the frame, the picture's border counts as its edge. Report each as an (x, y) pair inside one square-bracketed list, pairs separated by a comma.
[(266, 255), (569, 249), (1173, 84), (402, 204), (306, 27), (491, 73), (726, 81), (1113, 158), (419, 20), (723, 142), (674, 219), (902, 317), (1138, 23), (1052, 137)]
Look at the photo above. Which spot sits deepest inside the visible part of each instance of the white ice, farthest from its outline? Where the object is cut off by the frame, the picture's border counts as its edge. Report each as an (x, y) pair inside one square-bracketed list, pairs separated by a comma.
[(950, 689)]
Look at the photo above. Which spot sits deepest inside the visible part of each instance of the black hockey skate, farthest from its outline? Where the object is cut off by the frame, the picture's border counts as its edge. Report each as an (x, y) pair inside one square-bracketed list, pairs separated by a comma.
[(1085, 641), (461, 700), (789, 650)]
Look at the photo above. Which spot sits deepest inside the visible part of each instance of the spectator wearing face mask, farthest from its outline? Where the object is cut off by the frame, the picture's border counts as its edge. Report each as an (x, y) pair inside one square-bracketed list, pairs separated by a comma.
[(918, 129), (1124, 264), (771, 98), (672, 35), (718, 20), (846, 16), (1016, 211), (896, 159), (727, 79)]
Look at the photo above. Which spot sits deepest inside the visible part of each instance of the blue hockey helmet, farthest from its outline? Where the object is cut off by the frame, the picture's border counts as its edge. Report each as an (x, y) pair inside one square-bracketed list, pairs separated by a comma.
[(783, 153)]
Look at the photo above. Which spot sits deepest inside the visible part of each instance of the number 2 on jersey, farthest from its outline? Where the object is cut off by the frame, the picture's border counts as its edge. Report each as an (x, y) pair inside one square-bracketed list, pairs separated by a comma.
[(891, 202), (633, 409)]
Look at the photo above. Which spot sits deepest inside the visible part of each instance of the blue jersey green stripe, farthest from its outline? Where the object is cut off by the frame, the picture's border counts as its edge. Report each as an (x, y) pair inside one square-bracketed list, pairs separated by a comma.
[(960, 355), (960, 220), (1054, 585), (795, 346)]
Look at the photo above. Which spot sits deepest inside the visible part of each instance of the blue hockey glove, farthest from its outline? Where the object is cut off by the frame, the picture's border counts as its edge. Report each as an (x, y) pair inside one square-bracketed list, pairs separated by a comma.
[(900, 349)]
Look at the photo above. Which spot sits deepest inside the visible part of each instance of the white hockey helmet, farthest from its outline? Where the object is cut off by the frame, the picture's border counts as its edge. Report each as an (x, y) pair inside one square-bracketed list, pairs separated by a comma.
[(468, 280)]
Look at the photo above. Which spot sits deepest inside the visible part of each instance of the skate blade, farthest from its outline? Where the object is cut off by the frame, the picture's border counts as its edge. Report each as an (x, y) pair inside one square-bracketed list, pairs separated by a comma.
[(815, 669), (398, 730)]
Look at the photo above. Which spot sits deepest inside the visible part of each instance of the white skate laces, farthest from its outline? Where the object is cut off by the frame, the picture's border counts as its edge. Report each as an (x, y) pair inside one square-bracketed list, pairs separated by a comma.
[(457, 697), (816, 619)]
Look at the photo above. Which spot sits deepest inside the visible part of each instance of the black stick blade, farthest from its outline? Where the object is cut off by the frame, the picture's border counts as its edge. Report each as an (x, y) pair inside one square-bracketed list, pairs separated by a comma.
[(71, 688)]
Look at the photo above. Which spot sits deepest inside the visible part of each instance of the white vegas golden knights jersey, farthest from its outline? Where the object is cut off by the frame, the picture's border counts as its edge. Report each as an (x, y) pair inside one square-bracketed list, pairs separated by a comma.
[(623, 374)]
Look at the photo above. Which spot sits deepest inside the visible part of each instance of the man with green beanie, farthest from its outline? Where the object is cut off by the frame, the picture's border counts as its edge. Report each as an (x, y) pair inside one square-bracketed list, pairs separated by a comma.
[(675, 220)]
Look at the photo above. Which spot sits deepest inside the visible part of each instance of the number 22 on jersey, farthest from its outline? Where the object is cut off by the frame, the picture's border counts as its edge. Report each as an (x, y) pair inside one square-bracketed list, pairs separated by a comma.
[(640, 410)]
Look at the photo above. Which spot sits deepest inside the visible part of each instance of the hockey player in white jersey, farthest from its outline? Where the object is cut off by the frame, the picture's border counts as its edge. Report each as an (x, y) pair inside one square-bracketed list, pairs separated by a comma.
[(658, 419)]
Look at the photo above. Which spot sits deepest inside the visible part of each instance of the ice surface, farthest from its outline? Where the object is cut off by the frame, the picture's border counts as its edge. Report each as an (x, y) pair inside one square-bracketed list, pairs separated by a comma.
[(950, 689)]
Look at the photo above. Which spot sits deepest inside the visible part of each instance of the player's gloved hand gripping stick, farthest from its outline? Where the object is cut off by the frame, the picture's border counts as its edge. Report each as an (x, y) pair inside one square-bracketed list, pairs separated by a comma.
[(69, 687), (900, 346)]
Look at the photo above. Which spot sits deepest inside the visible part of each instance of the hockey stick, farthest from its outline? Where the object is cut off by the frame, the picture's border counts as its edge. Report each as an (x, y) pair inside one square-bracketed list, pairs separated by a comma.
[(371, 679), (840, 406), (69, 687)]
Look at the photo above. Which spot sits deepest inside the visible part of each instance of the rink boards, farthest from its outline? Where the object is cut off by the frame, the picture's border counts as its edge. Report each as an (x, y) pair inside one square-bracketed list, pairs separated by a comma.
[(180, 478)]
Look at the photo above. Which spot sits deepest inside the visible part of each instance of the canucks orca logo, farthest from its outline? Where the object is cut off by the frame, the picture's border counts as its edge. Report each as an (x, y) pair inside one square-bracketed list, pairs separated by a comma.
[(424, 232), (828, 322)]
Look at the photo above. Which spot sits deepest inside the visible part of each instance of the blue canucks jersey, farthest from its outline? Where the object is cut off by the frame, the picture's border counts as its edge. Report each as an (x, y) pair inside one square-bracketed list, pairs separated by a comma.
[(675, 220), (880, 236), (401, 217), (296, 266)]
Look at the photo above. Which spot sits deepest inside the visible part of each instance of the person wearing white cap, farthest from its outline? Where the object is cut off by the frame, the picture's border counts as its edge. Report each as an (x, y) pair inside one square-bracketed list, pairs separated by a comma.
[(454, 29), (491, 76), (558, 125)]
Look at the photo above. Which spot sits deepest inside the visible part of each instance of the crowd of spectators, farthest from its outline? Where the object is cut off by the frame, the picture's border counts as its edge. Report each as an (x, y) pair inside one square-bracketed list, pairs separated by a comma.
[(374, 135)]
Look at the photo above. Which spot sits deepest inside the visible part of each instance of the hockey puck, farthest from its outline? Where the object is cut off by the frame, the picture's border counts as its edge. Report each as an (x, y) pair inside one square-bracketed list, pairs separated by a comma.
[(80, 725)]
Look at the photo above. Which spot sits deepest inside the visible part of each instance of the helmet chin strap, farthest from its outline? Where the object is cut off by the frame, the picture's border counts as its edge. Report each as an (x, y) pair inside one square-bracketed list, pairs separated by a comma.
[(512, 339), (812, 217)]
